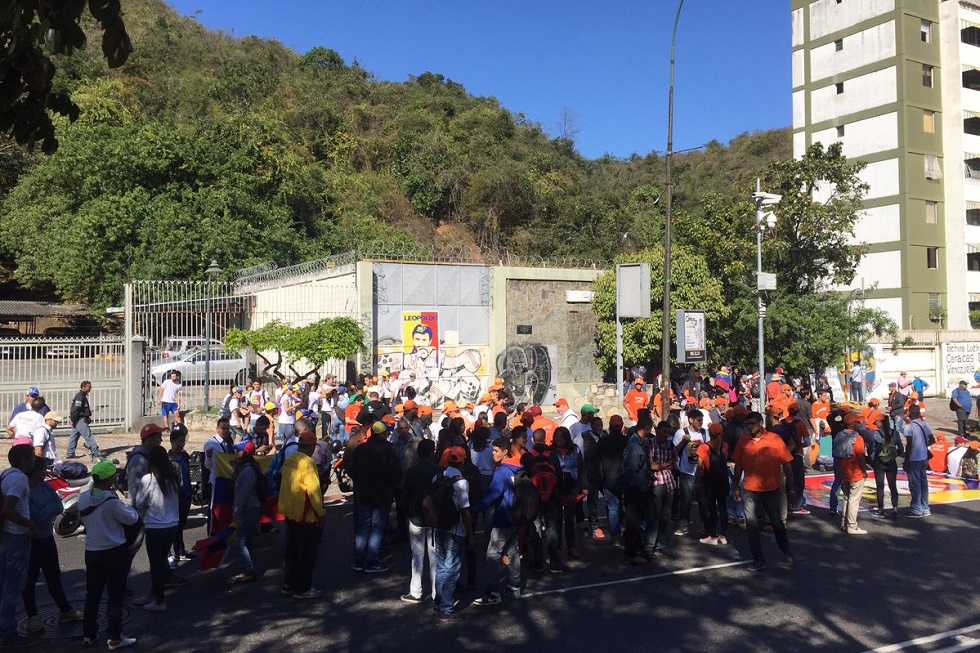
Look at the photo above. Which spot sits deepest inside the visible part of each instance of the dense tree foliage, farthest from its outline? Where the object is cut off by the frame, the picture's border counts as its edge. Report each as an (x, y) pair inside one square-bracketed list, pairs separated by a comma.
[(208, 146)]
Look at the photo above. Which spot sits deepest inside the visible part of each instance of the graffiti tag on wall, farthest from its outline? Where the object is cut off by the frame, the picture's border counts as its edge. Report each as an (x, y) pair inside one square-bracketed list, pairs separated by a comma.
[(530, 372)]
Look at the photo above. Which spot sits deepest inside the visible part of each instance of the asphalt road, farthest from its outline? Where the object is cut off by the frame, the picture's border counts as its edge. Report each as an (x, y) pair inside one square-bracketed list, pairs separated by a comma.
[(907, 579), (909, 585)]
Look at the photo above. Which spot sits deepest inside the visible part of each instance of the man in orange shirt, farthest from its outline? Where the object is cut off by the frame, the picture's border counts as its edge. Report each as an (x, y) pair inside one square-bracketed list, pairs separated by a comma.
[(774, 387), (543, 423), (821, 410), (849, 453), (635, 399), (760, 455)]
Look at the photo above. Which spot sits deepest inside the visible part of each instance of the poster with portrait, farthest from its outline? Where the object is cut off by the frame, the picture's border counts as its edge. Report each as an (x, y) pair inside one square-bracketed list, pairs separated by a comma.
[(420, 342)]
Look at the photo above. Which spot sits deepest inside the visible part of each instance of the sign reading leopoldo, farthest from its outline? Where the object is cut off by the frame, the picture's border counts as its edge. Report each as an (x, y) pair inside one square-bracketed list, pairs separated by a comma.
[(961, 361)]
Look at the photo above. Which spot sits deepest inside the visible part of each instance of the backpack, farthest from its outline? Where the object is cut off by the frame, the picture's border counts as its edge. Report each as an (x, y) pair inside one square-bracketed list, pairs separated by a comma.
[(439, 511), (273, 475), (527, 502), (134, 532), (968, 464), (544, 476), (952, 405), (225, 412)]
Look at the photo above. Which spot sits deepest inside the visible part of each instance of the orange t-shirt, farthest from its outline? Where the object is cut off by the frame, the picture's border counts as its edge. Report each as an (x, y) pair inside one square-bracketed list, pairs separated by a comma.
[(704, 453), (635, 400), (779, 407), (850, 468), (761, 461), (774, 389), (549, 426), (821, 409), (350, 415)]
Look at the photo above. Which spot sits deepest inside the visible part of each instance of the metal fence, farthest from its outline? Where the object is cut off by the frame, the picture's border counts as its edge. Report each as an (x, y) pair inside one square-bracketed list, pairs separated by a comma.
[(57, 366), (176, 318)]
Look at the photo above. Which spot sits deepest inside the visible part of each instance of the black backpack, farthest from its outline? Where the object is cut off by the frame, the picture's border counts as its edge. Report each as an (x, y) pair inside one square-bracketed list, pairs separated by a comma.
[(439, 511), (527, 501)]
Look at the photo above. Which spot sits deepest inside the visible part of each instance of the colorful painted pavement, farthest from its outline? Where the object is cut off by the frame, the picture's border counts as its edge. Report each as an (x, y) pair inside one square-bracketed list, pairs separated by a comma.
[(942, 489)]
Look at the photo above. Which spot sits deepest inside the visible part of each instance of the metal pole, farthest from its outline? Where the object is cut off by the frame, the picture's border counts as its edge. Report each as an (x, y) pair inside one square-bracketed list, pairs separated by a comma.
[(762, 308), (619, 347), (665, 341), (207, 346)]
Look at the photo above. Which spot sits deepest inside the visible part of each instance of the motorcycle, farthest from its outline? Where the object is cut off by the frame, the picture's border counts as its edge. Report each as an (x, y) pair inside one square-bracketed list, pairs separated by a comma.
[(344, 481), (69, 481)]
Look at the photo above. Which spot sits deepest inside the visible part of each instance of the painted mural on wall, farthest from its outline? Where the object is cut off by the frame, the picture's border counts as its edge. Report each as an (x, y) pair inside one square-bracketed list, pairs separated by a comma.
[(420, 342), (462, 374), (530, 371)]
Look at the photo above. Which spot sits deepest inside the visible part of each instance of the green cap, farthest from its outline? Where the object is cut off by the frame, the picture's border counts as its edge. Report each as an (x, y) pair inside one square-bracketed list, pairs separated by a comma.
[(589, 408), (356, 397), (103, 469)]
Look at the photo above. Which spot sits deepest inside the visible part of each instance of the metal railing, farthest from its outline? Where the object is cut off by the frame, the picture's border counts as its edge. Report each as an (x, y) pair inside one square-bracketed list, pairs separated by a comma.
[(57, 366)]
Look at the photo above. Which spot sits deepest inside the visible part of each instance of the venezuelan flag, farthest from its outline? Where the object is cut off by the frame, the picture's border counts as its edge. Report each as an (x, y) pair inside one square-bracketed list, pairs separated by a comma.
[(222, 494)]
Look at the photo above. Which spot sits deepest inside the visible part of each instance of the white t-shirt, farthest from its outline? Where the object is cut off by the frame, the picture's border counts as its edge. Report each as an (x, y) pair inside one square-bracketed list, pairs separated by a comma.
[(684, 464), (170, 390), (25, 423), (954, 459), (568, 419), (44, 437), (314, 401), (14, 484), (287, 402)]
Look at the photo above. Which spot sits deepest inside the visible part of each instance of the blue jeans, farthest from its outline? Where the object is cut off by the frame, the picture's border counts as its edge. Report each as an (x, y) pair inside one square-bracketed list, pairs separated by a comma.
[(770, 505), (15, 553), (736, 509), (337, 429), (612, 510), (835, 487), (918, 487), (243, 538), (82, 430), (449, 549), (284, 432), (898, 424), (369, 530), (659, 500)]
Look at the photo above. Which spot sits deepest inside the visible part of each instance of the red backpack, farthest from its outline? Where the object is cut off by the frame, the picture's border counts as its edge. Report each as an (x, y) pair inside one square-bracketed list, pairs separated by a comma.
[(544, 476)]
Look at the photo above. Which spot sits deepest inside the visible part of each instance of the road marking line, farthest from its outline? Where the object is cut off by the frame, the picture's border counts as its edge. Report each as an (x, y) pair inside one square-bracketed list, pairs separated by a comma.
[(929, 639), (636, 579)]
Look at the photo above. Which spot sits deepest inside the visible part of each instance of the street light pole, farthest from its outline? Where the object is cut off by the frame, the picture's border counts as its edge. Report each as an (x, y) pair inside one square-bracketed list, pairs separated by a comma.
[(665, 340), (213, 273), (761, 221)]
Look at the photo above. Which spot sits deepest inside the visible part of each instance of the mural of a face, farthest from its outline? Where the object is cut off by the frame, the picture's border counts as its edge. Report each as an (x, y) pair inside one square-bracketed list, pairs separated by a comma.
[(422, 341)]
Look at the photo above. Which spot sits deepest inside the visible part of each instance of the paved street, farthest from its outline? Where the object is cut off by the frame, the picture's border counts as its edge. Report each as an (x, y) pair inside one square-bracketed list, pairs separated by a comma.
[(907, 580)]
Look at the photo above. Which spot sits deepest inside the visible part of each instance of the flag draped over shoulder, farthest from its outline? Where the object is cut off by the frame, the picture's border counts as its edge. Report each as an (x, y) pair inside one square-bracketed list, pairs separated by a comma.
[(222, 494), (723, 379)]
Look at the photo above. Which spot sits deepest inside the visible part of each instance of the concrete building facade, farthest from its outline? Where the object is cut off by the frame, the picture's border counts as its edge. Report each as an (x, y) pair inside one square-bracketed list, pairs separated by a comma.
[(897, 83)]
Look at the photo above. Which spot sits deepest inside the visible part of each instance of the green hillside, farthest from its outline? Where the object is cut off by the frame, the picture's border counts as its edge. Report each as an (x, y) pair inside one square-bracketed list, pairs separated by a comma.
[(209, 146)]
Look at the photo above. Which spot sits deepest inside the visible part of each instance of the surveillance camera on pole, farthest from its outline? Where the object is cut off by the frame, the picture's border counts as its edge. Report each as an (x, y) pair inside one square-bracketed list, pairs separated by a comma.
[(766, 199)]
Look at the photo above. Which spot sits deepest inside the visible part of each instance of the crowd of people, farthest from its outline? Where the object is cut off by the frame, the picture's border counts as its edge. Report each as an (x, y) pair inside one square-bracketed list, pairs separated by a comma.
[(533, 481)]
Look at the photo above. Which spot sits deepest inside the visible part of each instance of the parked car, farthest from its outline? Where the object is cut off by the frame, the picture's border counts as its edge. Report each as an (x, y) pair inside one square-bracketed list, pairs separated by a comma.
[(225, 367), (26, 348), (174, 346)]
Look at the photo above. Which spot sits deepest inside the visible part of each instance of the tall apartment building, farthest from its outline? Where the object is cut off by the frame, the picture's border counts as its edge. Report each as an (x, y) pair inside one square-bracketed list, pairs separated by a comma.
[(897, 82)]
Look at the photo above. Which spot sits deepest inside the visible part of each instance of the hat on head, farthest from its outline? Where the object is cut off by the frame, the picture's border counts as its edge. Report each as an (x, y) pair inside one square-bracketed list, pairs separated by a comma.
[(561, 403), (457, 455), (498, 384), (449, 406), (342, 389), (589, 408), (963, 382), (247, 447), (237, 390), (34, 391), (793, 407), (150, 430), (851, 419), (638, 381), (378, 428), (103, 469), (535, 410), (409, 405), (874, 401), (425, 410), (959, 439), (486, 398), (892, 384), (357, 397), (388, 419), (411, 375), (270, 406), (395, 374), (616, 420), (715, 429), (386, 373), (786, 386), (52, 416), (469, 405), (527, 417)]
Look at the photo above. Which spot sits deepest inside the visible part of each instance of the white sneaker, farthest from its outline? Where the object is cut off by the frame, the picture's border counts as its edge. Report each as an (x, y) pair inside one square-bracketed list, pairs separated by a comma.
[(722, 540), (709, 540), (122, 642), (856, 531)]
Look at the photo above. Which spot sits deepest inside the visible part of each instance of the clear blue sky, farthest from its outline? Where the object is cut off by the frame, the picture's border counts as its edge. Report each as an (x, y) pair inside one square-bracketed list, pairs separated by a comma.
[(606, 62)]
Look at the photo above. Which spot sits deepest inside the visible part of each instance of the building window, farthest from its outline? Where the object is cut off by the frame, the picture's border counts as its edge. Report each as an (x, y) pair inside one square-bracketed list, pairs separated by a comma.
[(925, 31), (840, 131), (933, 171), (929, 121), (973, 214), (932, 212), (840, 87), (927, 76), (932, 258), (839, 45)]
